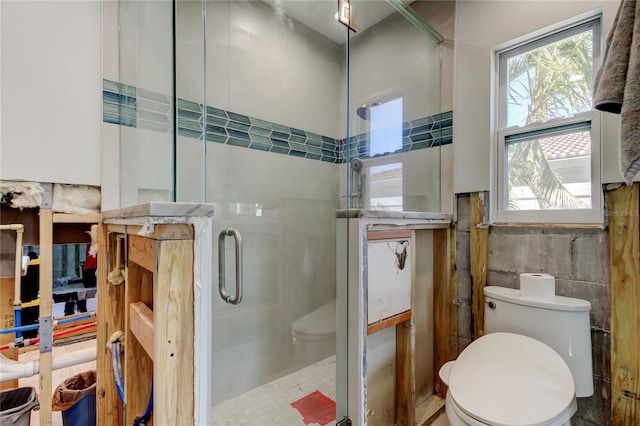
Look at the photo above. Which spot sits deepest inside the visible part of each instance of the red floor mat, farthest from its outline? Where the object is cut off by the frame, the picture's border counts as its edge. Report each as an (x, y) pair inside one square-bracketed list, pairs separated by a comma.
[(316, 408)]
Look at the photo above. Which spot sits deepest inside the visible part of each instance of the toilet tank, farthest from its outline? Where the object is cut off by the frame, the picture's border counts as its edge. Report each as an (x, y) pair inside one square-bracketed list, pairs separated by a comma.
[(561, 323)]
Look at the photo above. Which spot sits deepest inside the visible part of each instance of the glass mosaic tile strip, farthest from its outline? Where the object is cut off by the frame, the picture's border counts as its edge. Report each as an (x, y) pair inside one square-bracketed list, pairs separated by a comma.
[(125, 105)]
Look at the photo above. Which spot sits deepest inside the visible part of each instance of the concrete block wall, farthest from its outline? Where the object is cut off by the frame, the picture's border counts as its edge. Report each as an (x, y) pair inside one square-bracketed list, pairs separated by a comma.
[(577, 257)]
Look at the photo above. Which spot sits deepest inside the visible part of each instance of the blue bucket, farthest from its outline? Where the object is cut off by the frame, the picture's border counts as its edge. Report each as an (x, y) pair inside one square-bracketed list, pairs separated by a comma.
[(82, 413)]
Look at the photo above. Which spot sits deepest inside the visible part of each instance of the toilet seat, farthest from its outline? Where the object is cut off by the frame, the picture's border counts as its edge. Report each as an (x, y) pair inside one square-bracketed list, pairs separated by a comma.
[(506, 379)]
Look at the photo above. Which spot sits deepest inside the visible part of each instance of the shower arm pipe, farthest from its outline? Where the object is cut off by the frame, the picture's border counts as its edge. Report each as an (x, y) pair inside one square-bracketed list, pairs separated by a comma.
[(64, 320), (29, 342), (12, 370)]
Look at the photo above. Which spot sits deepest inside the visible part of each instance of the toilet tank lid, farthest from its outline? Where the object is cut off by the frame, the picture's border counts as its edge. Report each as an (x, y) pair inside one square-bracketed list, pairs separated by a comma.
[(558, 303), (510, 379)]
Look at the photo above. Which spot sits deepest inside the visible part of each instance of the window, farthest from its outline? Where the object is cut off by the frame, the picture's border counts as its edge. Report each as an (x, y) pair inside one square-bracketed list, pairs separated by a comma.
[(386, 127), (385, 186), (548, 137)]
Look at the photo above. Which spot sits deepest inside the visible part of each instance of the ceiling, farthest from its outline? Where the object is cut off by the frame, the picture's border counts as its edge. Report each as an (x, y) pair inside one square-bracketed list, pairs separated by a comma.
[(319, 15)]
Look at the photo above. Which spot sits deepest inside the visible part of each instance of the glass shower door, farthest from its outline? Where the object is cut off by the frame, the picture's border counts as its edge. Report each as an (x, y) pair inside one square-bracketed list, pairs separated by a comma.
[(259, 133)]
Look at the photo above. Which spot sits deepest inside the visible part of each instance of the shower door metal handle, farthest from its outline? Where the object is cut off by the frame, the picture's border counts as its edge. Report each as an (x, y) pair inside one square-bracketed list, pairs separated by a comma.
[(230, 232)]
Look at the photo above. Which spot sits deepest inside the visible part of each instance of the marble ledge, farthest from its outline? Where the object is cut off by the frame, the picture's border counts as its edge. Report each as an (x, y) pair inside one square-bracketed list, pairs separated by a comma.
[(160, 209), (392, 214)]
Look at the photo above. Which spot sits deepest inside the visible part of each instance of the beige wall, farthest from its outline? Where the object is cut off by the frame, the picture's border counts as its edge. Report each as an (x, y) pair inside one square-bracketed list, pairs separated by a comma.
[(50, 91), (482, 26)]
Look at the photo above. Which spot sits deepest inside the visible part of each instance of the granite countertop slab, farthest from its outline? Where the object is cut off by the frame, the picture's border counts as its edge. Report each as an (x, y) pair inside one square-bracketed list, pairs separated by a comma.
[(391, 214), (160, 209)]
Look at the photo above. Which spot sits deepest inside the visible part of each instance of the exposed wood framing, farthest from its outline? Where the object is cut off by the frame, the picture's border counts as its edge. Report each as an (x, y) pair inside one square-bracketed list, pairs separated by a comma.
[(405, 374), (428, 411), (141, 325), (175, 231), (388, 234), (157, 302), (46, 304), (444, 298), (388, 322), (109, 409), (479, 253), (174, 324), (624, 241), (77, 218), (142, 251), (138, 366)]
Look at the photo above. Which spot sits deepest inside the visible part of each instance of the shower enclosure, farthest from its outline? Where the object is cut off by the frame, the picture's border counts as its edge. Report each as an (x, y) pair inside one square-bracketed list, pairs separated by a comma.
[(279, 115)]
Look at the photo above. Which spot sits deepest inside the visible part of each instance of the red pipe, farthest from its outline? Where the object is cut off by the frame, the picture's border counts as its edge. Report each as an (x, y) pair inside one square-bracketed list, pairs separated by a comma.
[(28, 342)]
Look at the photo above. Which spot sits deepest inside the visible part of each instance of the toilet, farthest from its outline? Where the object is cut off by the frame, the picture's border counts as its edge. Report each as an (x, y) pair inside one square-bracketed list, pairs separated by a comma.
[(314, 335), (528, 368)]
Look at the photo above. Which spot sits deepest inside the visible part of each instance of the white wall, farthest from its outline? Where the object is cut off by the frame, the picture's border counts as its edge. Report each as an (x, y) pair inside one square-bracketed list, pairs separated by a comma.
[(480, 27), (389, 60), (51, 91), (260, 65)]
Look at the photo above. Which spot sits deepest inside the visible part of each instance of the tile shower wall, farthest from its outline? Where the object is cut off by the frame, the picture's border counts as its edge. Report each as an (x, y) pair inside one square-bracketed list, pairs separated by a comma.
[(578, 258), (133, 107)]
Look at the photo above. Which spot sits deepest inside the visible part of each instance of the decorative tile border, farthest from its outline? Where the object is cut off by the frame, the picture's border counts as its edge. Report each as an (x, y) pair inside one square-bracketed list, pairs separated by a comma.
[(128, 106)]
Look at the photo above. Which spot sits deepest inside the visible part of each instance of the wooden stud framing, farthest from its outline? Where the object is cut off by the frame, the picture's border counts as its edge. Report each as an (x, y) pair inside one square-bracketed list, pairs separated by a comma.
[(388, 322), (46, 305), (76, 218), (389, 234), (155, 307), (142, 251), (176, 231), (141, 325), (109, 410), (624, 241), (405, 374), (444, 298), (174, 326), (479, 253), (138, 366)]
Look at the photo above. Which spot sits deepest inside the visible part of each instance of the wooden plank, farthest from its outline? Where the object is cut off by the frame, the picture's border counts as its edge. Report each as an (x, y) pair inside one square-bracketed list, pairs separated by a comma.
[(174, 324), (479, 253), (7, 320), (141, 325), (46, 301), (550, 225), (624, 255), (175, 231), (138, 374), (109, 410), (77, 218), (429, 410), (389, 234), (388, 322), (405, 374), (143, 252), (445, 309)]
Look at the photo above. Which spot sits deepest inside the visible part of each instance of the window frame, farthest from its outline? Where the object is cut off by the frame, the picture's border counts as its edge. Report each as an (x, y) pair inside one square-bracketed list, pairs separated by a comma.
[(499, 213)]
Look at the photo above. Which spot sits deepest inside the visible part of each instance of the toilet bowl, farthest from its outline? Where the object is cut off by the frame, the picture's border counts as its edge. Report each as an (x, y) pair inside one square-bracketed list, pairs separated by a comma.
[(314, 335), (506, 379)]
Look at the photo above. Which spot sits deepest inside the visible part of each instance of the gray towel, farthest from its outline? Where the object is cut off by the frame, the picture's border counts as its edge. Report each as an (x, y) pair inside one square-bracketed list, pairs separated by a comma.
[(617, 85)]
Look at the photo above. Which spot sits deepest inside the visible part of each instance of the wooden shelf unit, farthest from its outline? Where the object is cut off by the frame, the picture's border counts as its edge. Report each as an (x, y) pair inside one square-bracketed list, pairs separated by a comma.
[(153, 307), (163, 258)]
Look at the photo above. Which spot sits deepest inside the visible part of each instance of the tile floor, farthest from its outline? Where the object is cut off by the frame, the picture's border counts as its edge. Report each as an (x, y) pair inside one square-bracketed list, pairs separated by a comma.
[(270, 404), (267, 405)]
